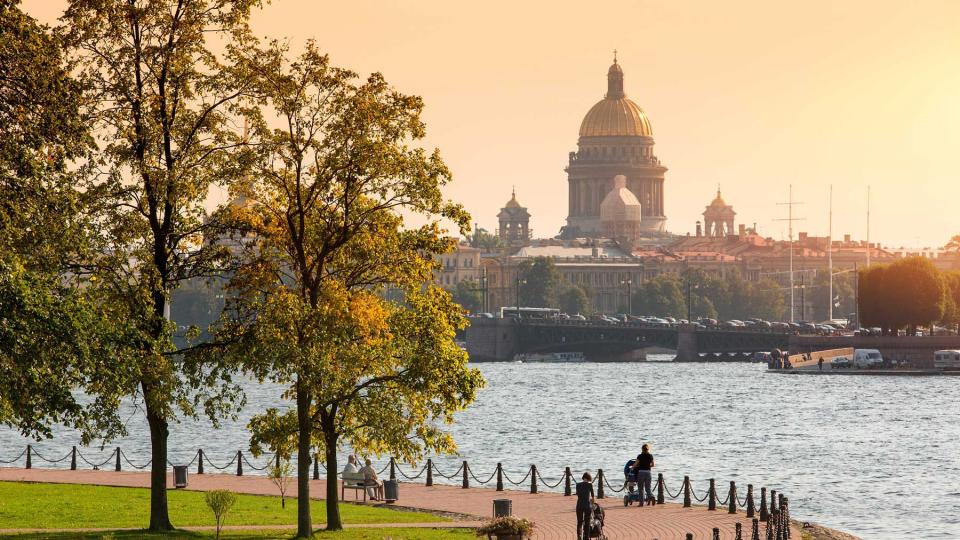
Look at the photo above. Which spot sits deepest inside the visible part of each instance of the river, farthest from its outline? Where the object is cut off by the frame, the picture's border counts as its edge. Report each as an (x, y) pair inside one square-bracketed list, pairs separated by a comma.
[(875, 456)]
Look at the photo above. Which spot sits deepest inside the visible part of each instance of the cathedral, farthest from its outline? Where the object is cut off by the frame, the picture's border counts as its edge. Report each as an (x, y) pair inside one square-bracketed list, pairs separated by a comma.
[(615, 140)]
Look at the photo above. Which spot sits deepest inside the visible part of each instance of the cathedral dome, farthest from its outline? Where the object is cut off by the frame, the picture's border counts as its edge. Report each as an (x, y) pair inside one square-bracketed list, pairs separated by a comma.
[(615, 115)]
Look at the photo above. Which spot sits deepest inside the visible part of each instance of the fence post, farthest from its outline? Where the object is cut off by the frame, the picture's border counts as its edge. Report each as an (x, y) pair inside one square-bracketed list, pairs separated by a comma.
[(429, 472), (716, 533), (118, 459), (785, 510), (689, 536), (660, 488), (466, 480), (600, 493), (239, 463), (533, 480), (686, 492), (200, 461), (764, 515), (755, 535), (712, 496), (499, 476), (751, 509), (738, 531), (773, 501), (73, 459), (567, 491), (732, 507), (29, 456), (393, 468)]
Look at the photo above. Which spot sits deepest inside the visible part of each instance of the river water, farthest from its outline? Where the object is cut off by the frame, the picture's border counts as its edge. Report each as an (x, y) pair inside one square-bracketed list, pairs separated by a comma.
[(875, 456)]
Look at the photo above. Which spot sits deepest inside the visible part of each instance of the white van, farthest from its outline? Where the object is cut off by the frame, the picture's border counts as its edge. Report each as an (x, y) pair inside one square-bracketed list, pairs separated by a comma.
[(867, 358), (946, 359)]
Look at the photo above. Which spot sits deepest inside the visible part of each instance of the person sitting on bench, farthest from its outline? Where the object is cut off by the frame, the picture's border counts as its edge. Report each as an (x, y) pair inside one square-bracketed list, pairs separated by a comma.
[(372, 481)]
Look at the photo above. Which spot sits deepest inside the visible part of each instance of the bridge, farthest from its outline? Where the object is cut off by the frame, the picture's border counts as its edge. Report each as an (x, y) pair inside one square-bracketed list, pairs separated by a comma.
[(501, 339)]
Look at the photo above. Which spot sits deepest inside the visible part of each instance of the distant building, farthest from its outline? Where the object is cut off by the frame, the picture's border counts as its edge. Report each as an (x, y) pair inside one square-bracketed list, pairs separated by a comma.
[(462, 264), (620, 214), (615, 139), (718, 217), (514, 223)]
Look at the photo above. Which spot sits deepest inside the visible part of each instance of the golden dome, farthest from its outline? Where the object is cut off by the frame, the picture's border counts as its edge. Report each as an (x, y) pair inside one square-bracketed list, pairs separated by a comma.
[(718, 201), (615, 115), (513, 203), (616, 118)]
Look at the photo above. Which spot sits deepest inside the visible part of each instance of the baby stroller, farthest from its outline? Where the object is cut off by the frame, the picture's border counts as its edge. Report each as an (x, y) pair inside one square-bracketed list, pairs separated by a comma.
[(633, 494), (596, 522)]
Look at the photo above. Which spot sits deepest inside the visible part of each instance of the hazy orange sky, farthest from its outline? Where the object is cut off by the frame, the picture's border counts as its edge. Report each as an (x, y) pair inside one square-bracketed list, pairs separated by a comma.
[(753, 95)]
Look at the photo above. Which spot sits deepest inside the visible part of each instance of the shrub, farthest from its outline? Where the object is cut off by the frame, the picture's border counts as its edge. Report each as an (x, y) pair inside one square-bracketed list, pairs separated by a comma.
[(506, 525), (220, 502)]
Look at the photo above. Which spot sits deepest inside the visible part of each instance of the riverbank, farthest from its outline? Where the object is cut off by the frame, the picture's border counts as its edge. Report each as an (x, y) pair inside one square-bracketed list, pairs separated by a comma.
[(552, 512)]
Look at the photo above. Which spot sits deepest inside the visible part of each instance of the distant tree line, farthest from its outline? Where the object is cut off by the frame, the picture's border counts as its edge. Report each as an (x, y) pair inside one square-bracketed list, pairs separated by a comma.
[(908, 293)]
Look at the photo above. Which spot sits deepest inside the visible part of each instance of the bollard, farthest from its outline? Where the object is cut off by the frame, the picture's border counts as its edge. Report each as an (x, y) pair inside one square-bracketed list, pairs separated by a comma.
[(686, 492), (499, 476), (429, 472), (73, 459), (533, 479), (660, 498), (29, 456), (738, 531), (779, 500), (118, 459), (770, 525), (785, 510), (755, 535), (689, 536), (600, 483), (466, 479), (764, 515), (712, 496), (200, 461), (393, 468), (773, 501), (567, 490), (732, 507), (316, 466), (716, 533), (239, 463), (751, 509)]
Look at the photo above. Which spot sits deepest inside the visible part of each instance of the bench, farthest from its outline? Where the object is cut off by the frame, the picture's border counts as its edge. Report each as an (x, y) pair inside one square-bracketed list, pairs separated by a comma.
[(353, 481)]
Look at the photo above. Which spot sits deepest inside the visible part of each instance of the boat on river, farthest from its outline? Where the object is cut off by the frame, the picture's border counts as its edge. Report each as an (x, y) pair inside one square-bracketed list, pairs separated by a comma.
[(556, 357)]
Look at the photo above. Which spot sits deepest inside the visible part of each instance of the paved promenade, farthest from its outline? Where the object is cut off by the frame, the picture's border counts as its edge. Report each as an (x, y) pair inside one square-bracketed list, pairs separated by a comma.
[(552, 512)]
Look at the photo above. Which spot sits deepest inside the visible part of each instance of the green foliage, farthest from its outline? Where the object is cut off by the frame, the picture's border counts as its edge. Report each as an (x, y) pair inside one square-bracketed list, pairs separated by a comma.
[(844, 290), (542, 283), (88, 506), (220, 501), (574, 300), (506, 525), (482, 239), (661, 296), (906, 293), (279, 474), (467, 293)]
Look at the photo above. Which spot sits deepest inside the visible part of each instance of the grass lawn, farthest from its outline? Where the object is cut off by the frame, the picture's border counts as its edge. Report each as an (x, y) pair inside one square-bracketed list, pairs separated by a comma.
[(350, 534), (75, 506)]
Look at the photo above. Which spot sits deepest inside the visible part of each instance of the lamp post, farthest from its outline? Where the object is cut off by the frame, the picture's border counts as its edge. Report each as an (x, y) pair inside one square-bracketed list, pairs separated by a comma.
[(628, 283), (689, 297), (520, 281)]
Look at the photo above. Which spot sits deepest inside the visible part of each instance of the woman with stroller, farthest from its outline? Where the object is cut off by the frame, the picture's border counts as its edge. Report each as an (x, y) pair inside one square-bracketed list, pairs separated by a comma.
[(642, 469), (585, 500)]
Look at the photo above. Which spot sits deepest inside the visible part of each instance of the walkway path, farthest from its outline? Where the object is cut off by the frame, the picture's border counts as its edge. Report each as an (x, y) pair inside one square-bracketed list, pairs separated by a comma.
[(552, 512)]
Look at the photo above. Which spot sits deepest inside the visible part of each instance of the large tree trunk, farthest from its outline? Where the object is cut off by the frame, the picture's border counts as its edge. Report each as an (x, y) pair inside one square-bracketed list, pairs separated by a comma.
[(304, 525), (333, 505), (159, 431)]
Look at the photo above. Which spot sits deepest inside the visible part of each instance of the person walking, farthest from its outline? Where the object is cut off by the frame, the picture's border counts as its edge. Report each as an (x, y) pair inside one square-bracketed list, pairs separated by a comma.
[(643, 469), (585, 502)]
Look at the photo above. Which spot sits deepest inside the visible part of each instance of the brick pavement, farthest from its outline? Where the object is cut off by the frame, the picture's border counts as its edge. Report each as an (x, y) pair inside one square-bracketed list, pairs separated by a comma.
[(552, 512)]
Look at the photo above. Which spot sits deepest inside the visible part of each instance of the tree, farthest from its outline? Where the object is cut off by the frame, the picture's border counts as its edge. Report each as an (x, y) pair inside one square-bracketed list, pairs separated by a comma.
[(574, 300), (542, 283), (468, 294), (52, 332), (482, 239), (220, 502), (279, 474), (954, 243), (766, 300), (661, 296), (906, 293), (161, 101), (325, 237)]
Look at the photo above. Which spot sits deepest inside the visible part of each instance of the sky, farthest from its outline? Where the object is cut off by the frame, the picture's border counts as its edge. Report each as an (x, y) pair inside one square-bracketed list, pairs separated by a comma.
[(751, 95)]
